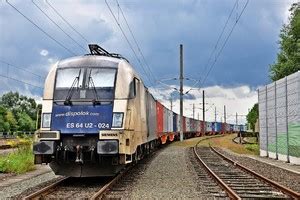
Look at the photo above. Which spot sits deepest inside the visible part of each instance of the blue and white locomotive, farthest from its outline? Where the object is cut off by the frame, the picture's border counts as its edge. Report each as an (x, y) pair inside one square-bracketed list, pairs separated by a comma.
[(93, 116)]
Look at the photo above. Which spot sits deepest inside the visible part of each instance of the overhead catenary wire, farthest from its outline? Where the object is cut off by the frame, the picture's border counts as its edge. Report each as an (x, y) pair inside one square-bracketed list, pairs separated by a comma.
[(58, 26), (66, 21), (129, 44), (222, 47), (20, 68), (217, 43), (225, 42), (136, 43), (42, 30), (150, 73), (221, 34), (20, 81)]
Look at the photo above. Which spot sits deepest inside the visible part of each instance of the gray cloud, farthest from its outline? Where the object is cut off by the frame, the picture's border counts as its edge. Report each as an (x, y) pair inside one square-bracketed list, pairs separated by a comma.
[(159, 27)]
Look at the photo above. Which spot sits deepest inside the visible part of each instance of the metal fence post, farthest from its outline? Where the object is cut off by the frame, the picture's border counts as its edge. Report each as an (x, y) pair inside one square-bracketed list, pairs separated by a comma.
[(276, 120), (287, 121), (267, 130)]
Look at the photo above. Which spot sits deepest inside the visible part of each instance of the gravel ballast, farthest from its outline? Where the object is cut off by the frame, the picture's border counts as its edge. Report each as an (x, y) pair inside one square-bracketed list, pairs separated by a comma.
[(284, 177), (19, 187), (168, 176)]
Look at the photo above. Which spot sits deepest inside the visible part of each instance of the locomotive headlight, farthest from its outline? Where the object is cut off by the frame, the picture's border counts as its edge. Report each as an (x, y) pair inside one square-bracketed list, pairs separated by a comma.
[(46, 120), (117, 120)]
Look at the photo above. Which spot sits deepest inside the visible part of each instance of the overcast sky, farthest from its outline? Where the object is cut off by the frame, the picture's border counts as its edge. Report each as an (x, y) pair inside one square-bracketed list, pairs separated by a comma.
[(159, 27)]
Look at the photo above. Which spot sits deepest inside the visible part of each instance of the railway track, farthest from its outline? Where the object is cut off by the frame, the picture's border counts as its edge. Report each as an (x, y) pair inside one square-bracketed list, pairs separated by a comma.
[(95, 188), (78, 188), (238, 181)]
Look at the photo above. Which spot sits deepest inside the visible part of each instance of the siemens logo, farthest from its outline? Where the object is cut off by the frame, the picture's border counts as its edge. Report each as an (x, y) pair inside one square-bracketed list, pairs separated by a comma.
[(109, 134)]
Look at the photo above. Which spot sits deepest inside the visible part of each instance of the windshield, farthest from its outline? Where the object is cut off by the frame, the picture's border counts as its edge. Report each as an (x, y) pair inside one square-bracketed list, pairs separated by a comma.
[(76, 84), (66, 77), (101, 77)]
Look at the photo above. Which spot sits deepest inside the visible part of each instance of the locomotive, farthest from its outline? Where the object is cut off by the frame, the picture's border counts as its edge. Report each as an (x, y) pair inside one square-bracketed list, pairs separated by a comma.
[(97, 117)]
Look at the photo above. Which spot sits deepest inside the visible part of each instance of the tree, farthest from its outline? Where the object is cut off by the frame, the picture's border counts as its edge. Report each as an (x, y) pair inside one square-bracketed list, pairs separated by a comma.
[(25, 123), (253, 116), (10, 99), (17, 112), (288, 59), (3, 124), (11, 120)]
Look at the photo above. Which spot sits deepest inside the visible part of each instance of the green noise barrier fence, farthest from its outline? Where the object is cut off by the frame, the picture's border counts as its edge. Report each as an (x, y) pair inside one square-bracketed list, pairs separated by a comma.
[(279, 119)]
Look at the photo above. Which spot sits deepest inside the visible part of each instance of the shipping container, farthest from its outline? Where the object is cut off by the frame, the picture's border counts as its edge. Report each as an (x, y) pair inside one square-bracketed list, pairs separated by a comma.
[(236, 128), (170, 121), (279, 118), (166, 119), (208, 127), (192, 125), (231, 127), (187, 125), (218, 127), (151, 116), (198, 126), (175, 128), (203, 127), (160, 117)]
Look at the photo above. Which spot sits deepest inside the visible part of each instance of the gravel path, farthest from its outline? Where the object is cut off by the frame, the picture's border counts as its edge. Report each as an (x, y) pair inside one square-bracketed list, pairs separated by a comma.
[(168, 176), (19, 187), (284, 177)]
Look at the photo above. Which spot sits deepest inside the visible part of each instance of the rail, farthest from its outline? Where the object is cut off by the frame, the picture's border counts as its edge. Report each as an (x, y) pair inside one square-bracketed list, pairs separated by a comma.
[(282, 188)]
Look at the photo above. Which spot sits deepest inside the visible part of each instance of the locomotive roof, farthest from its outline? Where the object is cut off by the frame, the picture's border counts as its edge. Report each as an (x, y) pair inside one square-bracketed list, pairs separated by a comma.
[(90, 60)]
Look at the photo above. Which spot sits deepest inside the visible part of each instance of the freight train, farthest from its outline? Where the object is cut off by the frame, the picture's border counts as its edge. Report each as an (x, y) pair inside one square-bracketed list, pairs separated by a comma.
[(97, 117)]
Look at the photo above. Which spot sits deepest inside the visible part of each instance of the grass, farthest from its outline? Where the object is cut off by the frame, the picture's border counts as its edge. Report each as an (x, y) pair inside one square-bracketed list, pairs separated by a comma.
[(222, 142), (19, 141), (18, 161), (251, 139), (193, 141), (253, 148)]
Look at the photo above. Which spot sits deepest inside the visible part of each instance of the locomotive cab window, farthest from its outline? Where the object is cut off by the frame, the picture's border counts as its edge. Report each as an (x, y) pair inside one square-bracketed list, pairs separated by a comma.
[(100, 77), (68, 77)]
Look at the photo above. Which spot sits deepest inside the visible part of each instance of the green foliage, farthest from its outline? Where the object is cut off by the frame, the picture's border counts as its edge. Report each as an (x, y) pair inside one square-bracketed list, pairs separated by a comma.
[(25, 123), (10, 119), (253, 148), (288, 59), (253, 116), (3, 124), (19, 161), (17, 113)]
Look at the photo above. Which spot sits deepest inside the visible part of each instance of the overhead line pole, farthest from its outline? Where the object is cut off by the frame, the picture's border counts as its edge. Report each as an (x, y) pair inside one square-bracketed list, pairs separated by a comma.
[(193, 111), (203, 111), (224, 114), (203, 102), (181, 92), (215, 114)]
